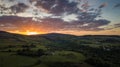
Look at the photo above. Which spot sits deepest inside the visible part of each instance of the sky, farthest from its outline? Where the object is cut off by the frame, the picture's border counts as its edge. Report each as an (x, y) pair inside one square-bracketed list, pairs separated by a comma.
[(77, 17)]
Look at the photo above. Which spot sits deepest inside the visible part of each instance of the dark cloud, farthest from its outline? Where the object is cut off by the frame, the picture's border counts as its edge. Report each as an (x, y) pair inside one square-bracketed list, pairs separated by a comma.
[(18, 8), (103, 5), (85, 5), (14, 21), (13, 8), (117, 5), (51, 24), (88, 26), (31, 1), (57, 6), (117, 25), (11, 0), (3, 9)]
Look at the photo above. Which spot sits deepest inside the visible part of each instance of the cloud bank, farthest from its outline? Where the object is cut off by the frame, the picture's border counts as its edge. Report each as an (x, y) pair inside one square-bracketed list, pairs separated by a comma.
[(52, 14)]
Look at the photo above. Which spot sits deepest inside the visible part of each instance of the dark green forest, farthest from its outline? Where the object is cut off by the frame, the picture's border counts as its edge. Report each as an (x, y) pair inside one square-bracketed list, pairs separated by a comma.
[(59, 50)]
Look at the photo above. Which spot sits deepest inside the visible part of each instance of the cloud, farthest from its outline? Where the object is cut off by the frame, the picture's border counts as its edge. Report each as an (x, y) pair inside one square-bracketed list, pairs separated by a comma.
[(57, 7), (12, 8), (11, 0), (50, 24), (85, 6), (18, 8), (103, 5), (57, 15), (117, 5), (117, 25)]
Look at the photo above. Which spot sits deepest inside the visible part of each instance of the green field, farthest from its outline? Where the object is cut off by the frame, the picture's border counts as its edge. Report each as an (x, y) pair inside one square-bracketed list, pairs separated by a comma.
[(59, 50)]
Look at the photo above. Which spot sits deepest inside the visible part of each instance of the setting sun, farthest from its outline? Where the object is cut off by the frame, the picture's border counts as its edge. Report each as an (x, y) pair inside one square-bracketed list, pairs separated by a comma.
[(32, 33)]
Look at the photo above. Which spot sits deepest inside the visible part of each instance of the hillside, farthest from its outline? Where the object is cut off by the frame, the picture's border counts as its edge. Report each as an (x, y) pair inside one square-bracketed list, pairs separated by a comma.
[(57, 39), (59, 50)]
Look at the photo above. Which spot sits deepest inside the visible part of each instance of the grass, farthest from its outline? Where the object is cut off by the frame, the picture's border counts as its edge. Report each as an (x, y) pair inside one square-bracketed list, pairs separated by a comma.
[(11, 60), (63, 56), (41, 65)]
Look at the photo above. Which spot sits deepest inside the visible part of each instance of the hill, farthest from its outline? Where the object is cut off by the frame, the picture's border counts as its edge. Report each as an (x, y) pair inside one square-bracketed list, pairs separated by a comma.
[(59, 50), (57, 38)]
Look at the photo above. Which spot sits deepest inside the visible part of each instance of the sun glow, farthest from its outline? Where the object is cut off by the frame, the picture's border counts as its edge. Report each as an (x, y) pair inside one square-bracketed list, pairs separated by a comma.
[(28, 32)]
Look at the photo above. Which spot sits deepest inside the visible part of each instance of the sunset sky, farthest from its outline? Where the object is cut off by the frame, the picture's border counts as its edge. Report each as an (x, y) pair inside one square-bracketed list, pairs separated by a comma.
[(77, 17)]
